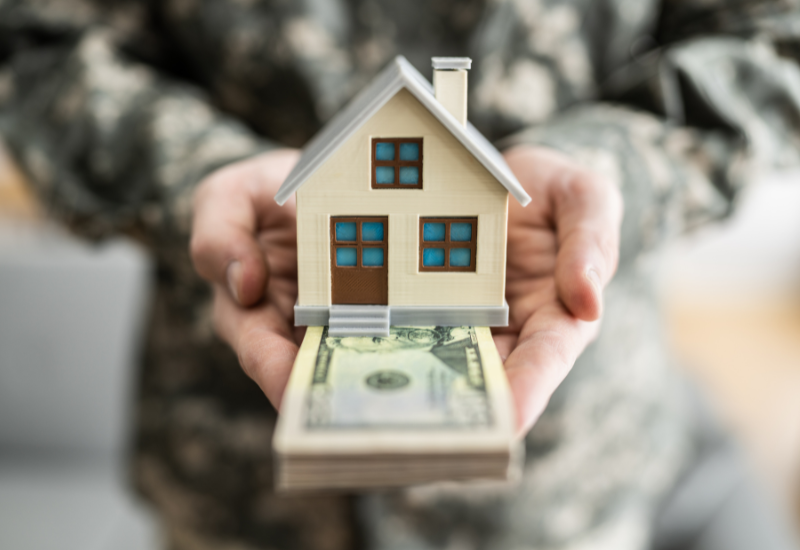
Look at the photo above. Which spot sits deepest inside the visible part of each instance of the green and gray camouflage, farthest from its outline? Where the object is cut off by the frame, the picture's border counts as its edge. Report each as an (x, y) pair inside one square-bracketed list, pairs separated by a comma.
[(116, 109)]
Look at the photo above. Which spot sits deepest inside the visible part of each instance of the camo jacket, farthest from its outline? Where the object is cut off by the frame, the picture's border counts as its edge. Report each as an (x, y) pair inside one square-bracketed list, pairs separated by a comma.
[(117, 108)]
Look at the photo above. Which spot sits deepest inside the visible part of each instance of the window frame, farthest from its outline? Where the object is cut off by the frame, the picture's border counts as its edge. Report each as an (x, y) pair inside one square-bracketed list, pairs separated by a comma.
[(396, 163), (447, 244), (359, 244)]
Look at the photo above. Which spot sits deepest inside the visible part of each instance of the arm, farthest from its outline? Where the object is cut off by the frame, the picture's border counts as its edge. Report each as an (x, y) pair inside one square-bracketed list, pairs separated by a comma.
[(109, 143), (730, 109)]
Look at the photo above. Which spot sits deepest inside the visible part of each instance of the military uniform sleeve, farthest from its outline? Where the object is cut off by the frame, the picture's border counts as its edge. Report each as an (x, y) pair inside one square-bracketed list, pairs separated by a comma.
[(679, 104), (671, 178), (109, 142), (726, 109)]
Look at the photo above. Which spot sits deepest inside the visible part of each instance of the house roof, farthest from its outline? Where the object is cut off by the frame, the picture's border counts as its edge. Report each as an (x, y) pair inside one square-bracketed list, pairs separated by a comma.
[(397, 75)]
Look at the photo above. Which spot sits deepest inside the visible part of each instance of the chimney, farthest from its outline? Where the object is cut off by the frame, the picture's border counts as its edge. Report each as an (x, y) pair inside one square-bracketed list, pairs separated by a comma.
[(450, 84)]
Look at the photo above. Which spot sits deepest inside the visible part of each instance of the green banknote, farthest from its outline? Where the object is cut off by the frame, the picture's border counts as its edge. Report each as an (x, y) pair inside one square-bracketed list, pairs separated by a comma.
[(415, 379), (424, 404)]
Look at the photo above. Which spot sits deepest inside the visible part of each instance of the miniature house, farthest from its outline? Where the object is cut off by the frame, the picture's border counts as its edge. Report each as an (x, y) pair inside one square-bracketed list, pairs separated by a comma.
[(402, 210)]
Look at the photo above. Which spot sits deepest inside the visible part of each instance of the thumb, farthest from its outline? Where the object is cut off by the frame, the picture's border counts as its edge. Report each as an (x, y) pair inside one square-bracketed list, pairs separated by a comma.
[(588, 214), (223, 247)]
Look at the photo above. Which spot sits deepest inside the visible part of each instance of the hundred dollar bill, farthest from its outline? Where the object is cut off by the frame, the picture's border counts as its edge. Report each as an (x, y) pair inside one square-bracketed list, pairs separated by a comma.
[(423, 404)]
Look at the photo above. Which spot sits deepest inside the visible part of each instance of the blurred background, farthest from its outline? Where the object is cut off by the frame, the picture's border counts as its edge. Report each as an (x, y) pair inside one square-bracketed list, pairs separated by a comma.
[(71, 316), (731, 296)]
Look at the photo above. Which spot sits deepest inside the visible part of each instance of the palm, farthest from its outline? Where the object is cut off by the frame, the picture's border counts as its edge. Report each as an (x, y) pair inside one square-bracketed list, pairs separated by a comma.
[(263, 334), (271, 338), (534, 305), (530, 274), (554, 307)]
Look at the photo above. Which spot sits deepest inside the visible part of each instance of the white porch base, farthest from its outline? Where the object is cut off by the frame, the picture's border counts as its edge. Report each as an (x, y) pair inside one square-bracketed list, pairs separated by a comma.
[(444, 316)]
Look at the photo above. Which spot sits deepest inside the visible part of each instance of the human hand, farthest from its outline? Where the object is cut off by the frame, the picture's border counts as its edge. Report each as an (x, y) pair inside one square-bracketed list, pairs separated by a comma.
[(562, 251), (246, 246), (244, 243)]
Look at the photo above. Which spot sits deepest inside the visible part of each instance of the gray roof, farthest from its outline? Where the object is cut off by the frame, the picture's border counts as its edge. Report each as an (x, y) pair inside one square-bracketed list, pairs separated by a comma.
[(397, 75)]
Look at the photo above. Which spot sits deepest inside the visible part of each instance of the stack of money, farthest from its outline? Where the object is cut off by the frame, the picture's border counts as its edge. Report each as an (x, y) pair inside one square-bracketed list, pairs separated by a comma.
[(424, 404)]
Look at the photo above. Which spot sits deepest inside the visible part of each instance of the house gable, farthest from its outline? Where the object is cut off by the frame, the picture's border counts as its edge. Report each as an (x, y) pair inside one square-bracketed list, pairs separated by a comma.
[(455, 184), (451, 174), (398, 75)]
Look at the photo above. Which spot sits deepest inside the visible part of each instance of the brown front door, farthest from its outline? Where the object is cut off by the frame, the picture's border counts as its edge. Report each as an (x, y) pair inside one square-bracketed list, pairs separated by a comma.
[(359, 260)]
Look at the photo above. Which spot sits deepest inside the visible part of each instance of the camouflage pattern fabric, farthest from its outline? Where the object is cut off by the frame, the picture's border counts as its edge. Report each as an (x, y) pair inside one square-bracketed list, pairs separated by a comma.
[(116, 110)]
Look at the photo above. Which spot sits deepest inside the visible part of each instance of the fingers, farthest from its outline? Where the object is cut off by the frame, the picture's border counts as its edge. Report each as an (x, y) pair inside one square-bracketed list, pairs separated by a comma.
[(267, 358), (548, 346), (588, 215), (223, 246), (556, 303), (504, 343), (586, 212), (262, 339), (230, 207)]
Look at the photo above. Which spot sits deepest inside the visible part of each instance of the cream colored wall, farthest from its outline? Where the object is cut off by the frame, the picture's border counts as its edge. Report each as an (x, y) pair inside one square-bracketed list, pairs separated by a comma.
[(454, 184)]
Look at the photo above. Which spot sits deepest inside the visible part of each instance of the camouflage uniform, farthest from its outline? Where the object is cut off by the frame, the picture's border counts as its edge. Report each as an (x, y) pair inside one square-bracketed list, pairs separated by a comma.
[(116, 109)]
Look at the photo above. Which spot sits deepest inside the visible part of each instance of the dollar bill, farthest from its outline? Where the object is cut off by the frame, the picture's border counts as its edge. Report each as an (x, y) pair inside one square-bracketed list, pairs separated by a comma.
[(417, 378), (423, 404)]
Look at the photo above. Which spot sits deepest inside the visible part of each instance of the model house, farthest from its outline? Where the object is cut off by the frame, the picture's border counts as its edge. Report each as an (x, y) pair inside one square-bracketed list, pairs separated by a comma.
[(402, 210)]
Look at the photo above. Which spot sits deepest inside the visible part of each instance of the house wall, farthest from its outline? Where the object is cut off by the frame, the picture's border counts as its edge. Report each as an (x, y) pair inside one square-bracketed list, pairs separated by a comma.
[(454, 184)]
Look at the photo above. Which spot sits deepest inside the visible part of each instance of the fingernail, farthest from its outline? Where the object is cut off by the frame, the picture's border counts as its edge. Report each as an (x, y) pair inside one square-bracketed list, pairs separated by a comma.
[(234, 275), (594, 279)]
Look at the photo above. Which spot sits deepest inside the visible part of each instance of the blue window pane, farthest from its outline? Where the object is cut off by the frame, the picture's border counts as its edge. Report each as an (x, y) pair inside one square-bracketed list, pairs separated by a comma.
[(409, 175), (409, 151), (372, 257), (461, 232), (460, 257), (346, 257), (384, 174), (433, 257), (346, 231), (384, 151), (372, 231), (433, 232)]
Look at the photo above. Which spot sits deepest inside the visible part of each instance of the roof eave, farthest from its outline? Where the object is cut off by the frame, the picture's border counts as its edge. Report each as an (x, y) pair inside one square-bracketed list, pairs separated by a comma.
[(398, 75)]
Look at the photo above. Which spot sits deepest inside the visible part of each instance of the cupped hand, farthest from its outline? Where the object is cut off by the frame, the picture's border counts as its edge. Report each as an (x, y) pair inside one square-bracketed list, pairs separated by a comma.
[(246, 246), (562, 250)]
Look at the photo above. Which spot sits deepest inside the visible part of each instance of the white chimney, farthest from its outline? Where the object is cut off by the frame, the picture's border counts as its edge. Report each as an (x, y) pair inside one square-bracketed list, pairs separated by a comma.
[(450, 84)]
